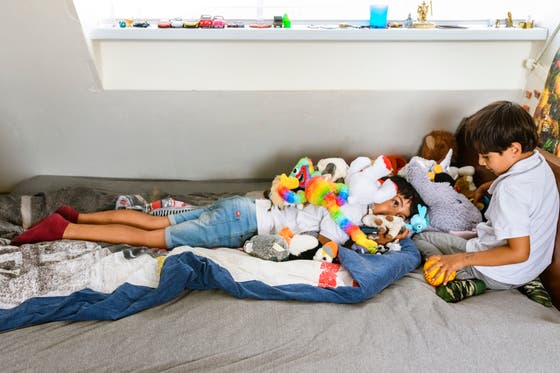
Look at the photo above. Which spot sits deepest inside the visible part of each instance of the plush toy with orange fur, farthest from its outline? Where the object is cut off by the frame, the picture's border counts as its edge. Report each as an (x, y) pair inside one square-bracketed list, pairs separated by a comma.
[(436, 145)]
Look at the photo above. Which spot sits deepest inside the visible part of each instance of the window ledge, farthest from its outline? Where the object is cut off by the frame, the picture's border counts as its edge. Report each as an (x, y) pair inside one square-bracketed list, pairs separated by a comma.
[(303, 34), (313, 59)]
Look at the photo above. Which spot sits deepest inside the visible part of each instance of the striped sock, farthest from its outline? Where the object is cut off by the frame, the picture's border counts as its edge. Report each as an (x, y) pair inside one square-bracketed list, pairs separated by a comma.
[(535, 291), (457, 290)]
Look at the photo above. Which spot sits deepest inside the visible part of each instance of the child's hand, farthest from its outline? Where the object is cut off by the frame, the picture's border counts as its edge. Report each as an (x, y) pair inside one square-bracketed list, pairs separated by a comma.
[(481, 191), (446, 264), (385, 237)]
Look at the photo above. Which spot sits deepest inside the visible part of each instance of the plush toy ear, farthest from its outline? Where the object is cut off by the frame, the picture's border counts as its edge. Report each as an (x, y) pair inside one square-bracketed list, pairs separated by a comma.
[(430, 142), (422, 210), (446, 162)]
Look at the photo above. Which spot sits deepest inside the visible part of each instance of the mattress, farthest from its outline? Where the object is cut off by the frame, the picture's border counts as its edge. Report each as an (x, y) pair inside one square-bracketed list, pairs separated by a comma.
[(405, 327)]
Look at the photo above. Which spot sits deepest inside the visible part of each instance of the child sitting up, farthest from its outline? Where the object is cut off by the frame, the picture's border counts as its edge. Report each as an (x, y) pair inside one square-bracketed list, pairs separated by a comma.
[(227, 223), (516, 242)]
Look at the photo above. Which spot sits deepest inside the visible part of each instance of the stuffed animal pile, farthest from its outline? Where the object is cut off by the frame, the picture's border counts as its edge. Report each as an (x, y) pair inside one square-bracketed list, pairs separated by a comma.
[(363, 185)]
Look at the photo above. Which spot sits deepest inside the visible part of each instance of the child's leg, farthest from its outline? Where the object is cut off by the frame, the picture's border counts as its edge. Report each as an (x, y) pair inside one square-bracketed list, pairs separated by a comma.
[(55, 227), (439, 243), (228, 223), (466, 284), (116, 233), (125, 217), (535, 291), (457, 290)]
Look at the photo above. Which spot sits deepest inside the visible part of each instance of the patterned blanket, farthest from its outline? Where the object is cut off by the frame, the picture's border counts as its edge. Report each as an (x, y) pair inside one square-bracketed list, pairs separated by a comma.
[(79, 280)]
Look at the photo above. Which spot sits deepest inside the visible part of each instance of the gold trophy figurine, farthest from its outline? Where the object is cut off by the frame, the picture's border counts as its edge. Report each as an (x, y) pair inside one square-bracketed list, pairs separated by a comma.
[(422, 11)]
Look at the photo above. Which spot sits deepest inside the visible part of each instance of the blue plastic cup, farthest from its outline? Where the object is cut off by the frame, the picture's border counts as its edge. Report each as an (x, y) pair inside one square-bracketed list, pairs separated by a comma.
[(378, 15)]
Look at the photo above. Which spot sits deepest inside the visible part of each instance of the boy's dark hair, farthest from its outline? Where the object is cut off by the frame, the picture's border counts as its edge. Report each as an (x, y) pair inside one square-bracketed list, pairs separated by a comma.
[(498, 125), (406, 190)]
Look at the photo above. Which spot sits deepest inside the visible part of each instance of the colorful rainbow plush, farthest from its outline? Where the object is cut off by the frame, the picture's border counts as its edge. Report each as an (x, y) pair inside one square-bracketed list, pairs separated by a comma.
[(321, 192), (292, 188)]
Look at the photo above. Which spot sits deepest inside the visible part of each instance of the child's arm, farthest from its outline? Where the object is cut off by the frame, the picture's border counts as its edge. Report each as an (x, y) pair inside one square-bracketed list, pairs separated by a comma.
[(481, 191), (517, 250), (322, 239)]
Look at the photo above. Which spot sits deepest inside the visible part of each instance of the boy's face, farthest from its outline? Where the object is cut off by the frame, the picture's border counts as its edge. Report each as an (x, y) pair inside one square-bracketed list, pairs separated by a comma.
[(498, 163), (397, 206)]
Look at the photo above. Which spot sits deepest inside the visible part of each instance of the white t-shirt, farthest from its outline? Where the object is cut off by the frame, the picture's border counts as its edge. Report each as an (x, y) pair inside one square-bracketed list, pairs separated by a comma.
[(524, 203), (310, 218)]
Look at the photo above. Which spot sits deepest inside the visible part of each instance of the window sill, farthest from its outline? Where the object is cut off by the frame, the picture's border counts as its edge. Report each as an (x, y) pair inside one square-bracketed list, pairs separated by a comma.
[(313, 59), (472, 33)]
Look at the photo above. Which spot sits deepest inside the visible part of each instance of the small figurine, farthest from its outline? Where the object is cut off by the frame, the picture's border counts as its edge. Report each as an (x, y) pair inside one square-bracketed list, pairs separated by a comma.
[(408, 21), (509, 20), (286, 22), (129, 22), (122, 23), (423, 16), (423, 11)]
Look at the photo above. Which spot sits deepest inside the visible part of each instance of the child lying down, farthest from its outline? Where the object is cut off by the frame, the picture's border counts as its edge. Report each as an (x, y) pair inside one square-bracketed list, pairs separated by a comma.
[(227, 223)]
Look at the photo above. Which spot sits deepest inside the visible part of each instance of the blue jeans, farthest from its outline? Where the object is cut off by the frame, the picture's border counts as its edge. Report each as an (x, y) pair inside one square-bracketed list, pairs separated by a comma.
[(227, 223)]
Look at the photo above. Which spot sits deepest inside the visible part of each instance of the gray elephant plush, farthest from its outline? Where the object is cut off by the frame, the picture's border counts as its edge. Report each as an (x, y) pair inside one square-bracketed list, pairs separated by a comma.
[(448, 210)]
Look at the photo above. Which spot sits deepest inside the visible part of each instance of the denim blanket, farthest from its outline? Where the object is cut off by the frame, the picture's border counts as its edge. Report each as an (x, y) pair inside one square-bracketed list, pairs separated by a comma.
[(121, 283)]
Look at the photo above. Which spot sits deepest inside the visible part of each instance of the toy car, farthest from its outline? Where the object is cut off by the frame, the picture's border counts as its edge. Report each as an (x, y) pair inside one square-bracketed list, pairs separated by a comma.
[(190, 24), (164, 23), (235, 25), (177, 23), (218, 22), (277, 21), (205, 21), (142, 24)]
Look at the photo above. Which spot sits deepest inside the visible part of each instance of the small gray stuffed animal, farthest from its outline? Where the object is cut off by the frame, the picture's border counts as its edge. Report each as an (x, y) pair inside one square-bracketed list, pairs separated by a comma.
[(277, 248), (448, 210), (268, 247)]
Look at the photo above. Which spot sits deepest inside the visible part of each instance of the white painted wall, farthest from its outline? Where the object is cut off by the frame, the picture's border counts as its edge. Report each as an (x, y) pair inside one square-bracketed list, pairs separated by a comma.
[(53, 121)]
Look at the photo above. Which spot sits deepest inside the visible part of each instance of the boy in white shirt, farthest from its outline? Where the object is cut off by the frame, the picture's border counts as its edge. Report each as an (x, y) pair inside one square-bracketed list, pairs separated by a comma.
[(516, 242)]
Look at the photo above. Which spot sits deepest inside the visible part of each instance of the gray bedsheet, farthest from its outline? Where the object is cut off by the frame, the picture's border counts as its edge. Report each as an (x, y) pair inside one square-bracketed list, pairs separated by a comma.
[(405, 328)]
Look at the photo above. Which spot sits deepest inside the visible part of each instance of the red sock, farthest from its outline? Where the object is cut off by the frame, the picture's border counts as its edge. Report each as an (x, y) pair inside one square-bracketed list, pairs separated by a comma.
[(49, 229), (68, 213)]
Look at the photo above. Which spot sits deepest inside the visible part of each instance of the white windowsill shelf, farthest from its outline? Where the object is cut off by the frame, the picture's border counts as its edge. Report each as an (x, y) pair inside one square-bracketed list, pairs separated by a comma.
[(319, 34), (301, 58)]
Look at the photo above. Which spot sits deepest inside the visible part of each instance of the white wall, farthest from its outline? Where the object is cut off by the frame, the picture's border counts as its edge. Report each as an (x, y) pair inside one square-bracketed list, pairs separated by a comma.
[(53, 122)]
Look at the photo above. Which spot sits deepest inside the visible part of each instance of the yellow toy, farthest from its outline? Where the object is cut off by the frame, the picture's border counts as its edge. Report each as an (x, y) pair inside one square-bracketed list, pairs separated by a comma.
[(429, 276)]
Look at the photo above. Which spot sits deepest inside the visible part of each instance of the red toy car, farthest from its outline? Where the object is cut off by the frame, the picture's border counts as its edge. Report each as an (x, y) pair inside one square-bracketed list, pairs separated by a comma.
[(205, 21), (218, 22)]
